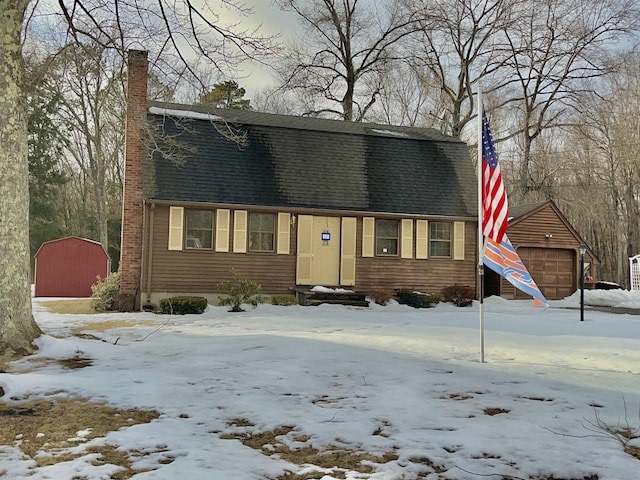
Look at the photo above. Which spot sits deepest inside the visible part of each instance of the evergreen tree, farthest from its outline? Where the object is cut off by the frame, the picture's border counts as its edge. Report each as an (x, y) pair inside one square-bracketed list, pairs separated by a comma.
[(45, 176), (226, 95)]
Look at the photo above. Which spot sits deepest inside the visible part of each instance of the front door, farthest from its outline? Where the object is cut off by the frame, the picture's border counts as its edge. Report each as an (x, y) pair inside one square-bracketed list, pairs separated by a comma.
[(318, 261)]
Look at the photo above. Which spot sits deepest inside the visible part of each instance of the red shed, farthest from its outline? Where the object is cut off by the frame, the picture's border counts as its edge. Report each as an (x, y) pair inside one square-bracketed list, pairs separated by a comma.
[(69, 266)]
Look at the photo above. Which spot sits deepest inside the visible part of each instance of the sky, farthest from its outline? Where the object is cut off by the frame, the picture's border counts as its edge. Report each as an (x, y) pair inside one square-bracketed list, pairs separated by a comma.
[(272, 21), (378, 380)]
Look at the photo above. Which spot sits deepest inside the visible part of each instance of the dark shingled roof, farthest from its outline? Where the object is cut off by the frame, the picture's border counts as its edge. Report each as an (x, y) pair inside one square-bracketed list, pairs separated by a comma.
[(307, 162), (518, 211)]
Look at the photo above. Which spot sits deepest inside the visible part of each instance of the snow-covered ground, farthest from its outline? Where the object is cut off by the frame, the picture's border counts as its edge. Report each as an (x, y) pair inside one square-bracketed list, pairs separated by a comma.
[(383, 379)]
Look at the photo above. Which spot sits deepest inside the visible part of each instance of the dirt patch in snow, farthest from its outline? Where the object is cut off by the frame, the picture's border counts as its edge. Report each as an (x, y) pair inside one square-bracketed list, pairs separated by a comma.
[(77, 306), (49, 430), (336, 460)]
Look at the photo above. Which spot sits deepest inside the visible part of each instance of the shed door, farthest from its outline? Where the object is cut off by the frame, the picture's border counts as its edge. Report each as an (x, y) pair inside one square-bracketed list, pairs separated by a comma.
[(321, 237), (553, 270)]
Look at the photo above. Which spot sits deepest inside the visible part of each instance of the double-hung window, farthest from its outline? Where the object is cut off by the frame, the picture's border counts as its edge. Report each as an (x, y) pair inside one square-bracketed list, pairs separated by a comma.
[(386, 237), (261, 232), (440, 239), (199, 228)]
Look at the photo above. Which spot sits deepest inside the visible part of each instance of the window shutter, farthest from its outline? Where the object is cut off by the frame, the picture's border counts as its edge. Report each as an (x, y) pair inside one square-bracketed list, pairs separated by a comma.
[(305, 239), (176, 215), (239, 231), (458, 240), (406, 241), (422, 239), (284, 233), (368, 236), (348, 252), (222, 230)]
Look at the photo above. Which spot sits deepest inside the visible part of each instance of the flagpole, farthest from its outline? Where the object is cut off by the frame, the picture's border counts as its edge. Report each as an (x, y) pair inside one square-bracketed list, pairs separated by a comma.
[(480, 236)]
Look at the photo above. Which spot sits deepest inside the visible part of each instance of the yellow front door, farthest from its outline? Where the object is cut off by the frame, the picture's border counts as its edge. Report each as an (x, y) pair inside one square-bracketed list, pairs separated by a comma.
[(318, 260)]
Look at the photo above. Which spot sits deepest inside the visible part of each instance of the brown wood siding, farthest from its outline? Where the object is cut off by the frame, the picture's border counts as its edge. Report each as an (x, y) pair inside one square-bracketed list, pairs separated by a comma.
[(427, 275), (532, 231), (199, 271)]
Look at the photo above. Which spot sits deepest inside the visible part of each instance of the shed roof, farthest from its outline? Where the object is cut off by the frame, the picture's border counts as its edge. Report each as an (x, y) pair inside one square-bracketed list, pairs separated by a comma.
[(518, 211), (93, 243), (287, 161)]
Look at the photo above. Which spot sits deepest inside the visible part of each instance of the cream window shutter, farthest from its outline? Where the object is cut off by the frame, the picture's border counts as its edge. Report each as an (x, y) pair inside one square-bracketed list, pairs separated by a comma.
[(222, 230), (406, 241), (458, 240), (305, 241), (422, 239), (284, 233), (368, 236), (239, 231), (348, 252), (176, 215)]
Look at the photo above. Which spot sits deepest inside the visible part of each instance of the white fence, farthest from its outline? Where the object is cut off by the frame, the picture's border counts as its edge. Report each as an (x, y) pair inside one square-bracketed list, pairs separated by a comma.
[(634, 272)]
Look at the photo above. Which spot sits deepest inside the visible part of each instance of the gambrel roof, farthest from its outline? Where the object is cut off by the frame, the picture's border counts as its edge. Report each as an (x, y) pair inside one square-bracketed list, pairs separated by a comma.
[(296, 162)]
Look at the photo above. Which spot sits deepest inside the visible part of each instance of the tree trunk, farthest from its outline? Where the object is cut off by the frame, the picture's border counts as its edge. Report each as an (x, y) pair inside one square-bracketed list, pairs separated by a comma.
[(18, 329)]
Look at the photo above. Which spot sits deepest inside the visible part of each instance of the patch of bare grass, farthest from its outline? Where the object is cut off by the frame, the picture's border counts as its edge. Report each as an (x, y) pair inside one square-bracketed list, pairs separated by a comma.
[(34, 364), (457, 396), (109, 325), (495, 411), (81, 306), (429, 463), (46, 429), (74, 363), (240, 422), (338, 459)]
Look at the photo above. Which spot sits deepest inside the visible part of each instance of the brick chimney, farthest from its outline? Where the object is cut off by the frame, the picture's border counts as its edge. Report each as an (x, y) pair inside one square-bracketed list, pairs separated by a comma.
[(133, 198)]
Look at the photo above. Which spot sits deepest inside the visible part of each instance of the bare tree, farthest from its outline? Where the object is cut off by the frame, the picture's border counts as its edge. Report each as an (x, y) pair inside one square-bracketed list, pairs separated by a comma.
[(556, 46), (88, 79), (190, 32), (409, 96), (462, 44), (348, 44), (607, 135)]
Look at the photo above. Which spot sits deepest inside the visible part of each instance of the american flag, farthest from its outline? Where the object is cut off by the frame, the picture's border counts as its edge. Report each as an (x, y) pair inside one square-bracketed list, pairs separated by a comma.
[(494, 195)]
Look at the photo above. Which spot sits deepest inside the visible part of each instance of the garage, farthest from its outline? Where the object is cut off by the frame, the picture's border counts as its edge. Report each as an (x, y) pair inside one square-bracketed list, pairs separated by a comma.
[(553, 270), (550, 249)]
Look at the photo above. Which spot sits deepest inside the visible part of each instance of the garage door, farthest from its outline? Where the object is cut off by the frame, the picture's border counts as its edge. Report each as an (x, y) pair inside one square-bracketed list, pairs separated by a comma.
[(553, 269)]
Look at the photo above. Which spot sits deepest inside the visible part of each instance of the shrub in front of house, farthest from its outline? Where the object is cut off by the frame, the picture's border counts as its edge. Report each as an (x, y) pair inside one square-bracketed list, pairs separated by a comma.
[(459, 295), (417, 299), (403, 294), (381, 297), (283, 300), (104, 292), (183, 305), (240, 290)]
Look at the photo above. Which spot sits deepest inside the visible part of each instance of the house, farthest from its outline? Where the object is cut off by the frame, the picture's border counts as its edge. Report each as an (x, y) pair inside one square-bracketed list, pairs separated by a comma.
[(289, 202), (294, 202), (549, 246), (68, 267)]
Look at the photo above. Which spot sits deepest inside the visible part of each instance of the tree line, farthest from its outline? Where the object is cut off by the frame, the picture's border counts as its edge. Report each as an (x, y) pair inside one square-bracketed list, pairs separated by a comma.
[(559, 78)]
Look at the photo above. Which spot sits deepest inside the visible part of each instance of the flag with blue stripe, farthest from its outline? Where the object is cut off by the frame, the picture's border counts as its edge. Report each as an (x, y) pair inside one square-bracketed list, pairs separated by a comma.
[(503, 259)]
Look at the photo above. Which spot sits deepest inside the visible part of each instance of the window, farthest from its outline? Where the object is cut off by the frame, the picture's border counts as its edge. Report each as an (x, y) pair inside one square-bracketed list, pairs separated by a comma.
[(199, 228), (261, 232), (440, 239), (386, 237)]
